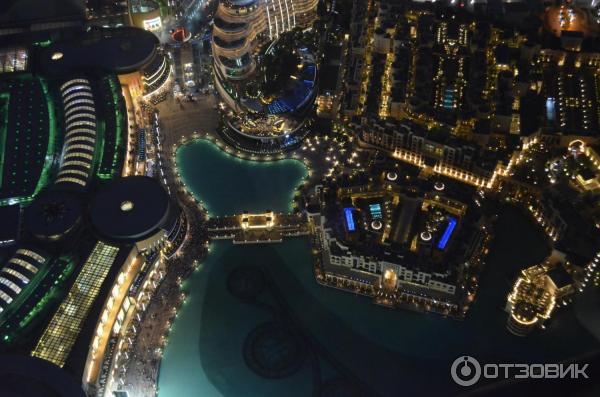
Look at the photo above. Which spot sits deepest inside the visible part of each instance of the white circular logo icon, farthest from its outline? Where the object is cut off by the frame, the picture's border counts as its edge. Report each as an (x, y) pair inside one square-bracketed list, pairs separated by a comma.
[(465, 371)]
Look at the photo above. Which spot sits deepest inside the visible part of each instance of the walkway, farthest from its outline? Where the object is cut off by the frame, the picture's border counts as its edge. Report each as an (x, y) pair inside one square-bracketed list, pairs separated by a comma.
[(257, 228)]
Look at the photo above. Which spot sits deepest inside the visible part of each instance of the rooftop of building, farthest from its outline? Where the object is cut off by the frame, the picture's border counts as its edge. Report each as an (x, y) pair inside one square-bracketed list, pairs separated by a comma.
[(531, 297), (329, 77), (24, 12), (27, 134), (9, 227), (119, 50), (130, 209), (439, 135), (428, 210), (559, 276), (53, 214), (587, 173), (559, 19)]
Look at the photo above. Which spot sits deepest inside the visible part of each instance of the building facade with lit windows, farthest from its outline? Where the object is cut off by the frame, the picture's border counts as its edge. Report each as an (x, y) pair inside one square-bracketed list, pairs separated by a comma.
[(247, 34), (157, 78), (20, 274), (136, 214), (439, 150), (80, 132), (240, 26)]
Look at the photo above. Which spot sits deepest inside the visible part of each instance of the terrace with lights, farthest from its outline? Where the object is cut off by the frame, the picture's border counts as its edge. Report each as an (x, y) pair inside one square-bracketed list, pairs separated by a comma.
[(579, 166)]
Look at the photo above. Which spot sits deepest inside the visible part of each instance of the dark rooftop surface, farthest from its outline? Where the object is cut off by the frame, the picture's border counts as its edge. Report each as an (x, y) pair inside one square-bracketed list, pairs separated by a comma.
[(559, 276), (329, 77), (9, 224), (130, 208), (17, 12), (54, 213), (587, 173), (119, 50)]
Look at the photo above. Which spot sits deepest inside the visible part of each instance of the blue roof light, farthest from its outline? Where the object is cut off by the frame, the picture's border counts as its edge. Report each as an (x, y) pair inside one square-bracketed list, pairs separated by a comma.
[(349, 219), (447, 233)]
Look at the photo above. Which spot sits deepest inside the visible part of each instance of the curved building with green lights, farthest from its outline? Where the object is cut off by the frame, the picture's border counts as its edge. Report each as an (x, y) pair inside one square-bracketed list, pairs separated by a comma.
[(64, 129)]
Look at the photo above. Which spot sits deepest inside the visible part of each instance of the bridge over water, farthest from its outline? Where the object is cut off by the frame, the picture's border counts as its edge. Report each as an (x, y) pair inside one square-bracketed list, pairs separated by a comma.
[(267, 227)]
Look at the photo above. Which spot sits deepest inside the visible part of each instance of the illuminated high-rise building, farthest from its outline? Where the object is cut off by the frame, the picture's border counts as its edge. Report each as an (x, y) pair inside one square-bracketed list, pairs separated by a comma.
[(268, 81), (240, 26)]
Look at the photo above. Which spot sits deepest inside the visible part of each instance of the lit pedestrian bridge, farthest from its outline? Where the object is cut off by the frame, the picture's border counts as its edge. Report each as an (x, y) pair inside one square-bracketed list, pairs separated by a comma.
[(266, 227)]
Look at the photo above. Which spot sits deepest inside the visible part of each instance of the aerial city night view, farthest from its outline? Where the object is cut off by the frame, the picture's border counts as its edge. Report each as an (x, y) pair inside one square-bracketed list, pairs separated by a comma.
[(303, 198)]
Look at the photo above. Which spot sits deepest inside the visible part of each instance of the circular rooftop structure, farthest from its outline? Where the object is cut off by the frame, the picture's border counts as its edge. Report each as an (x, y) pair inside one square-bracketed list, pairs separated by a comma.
[(130, 209), (53, 215), (119, 50), (376, 225)]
